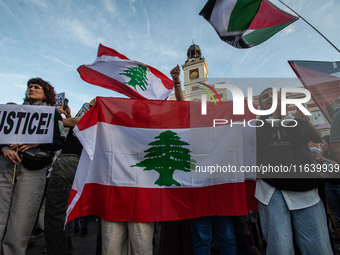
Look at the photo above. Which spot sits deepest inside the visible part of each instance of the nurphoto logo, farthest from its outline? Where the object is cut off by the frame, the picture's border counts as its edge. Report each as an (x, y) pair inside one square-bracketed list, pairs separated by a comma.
[(238, 104), (238, 100)]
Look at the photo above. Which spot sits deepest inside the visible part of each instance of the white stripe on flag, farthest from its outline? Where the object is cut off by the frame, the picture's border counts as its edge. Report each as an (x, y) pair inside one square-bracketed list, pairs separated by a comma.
[(121, 147), (220, 16), (114, 66)]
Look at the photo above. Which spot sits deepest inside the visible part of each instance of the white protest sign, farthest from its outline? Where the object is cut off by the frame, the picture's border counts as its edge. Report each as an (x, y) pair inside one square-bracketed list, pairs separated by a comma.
[(21, 124), (60, 98)]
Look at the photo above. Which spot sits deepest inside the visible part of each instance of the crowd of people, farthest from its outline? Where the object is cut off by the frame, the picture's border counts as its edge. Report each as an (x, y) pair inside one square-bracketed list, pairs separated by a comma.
[(292, 212)]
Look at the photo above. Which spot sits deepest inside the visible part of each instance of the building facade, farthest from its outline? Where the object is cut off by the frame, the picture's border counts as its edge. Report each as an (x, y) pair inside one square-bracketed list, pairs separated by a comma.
[(195, 72)]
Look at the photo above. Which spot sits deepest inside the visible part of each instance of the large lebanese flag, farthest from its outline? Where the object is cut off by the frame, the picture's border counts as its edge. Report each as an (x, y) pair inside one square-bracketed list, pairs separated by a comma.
[(134, 79), (322, 80), (141, 160)]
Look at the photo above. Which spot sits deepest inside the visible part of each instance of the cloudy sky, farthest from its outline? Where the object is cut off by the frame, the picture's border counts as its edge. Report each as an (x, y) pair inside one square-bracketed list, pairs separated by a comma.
[(50, 39)]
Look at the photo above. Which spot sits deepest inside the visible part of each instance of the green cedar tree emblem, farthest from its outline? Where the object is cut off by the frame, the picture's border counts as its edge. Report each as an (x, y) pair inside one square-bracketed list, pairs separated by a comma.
[(166, 155), (138, 77)]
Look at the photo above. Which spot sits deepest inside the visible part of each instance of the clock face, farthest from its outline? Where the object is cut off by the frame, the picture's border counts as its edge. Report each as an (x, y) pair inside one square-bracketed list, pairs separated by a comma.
[(194, 74)]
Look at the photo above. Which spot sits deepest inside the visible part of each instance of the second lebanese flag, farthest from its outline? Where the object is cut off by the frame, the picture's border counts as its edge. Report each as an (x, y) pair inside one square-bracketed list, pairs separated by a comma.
[(151, 160), (136, 80)]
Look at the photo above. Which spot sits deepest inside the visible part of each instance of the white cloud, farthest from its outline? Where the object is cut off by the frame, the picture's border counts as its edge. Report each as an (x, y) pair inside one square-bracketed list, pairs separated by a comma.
[(20, 86), (81, 33), (147, 22), (170, 52), (59, 61), (324, 7), (13, 76), (82, 97), (288, 30), (41, 3), (8, 41), (133, 9), (110, 6)]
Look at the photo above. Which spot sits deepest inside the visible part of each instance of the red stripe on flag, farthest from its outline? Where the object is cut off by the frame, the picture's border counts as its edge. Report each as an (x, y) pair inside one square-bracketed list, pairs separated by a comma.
[(106, 51), (163, 204), (168, 84), (94, 77), (269, 16), (91, 121), (158, 114)]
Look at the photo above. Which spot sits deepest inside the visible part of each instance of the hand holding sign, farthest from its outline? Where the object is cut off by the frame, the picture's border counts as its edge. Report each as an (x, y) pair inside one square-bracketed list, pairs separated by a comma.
[(11, 155), (23, 147), (64, 110)]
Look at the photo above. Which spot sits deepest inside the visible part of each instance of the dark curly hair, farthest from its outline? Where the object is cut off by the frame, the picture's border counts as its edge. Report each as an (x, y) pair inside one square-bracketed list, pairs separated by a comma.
[(48, 90)]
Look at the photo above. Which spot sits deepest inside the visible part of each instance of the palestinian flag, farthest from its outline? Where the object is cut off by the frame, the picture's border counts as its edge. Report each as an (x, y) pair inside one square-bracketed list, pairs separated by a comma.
[(113, 70), (322, 79), (152, 160), (245, 23)]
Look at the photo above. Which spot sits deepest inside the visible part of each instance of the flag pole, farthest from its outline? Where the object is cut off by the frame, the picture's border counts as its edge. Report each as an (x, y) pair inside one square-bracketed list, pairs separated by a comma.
[(310, 25)]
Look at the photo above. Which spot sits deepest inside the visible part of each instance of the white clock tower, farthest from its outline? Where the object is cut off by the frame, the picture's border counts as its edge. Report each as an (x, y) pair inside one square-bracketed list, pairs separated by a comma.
[(195, 70)]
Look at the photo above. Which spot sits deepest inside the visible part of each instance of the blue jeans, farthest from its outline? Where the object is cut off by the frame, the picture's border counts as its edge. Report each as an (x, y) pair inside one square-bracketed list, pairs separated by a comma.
[(309, 224), (333, 198), (202, 228)]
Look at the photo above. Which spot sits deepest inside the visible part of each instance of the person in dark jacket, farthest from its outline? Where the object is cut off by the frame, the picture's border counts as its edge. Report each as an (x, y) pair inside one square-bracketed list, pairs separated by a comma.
[(291, 204), (58, 238), (21, 199)]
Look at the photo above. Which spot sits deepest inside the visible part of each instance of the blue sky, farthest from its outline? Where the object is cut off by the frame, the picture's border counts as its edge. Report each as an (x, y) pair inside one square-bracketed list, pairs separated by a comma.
[(50, 39)]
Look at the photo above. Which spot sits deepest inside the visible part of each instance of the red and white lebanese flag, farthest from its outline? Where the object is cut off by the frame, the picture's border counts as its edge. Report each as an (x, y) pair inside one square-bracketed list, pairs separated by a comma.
[(136, 80), (152, 160)]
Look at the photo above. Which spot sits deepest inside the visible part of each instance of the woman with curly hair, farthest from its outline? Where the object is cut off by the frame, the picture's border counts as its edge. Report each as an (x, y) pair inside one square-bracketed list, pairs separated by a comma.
[(35, 87), (21, 192)]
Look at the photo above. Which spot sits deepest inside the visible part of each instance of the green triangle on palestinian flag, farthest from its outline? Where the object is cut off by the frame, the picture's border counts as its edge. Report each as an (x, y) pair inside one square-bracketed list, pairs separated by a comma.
[(245, 23)]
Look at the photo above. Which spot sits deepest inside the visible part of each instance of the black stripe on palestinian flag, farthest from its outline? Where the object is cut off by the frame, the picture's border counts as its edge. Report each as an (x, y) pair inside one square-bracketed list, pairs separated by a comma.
[(207, 9)]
